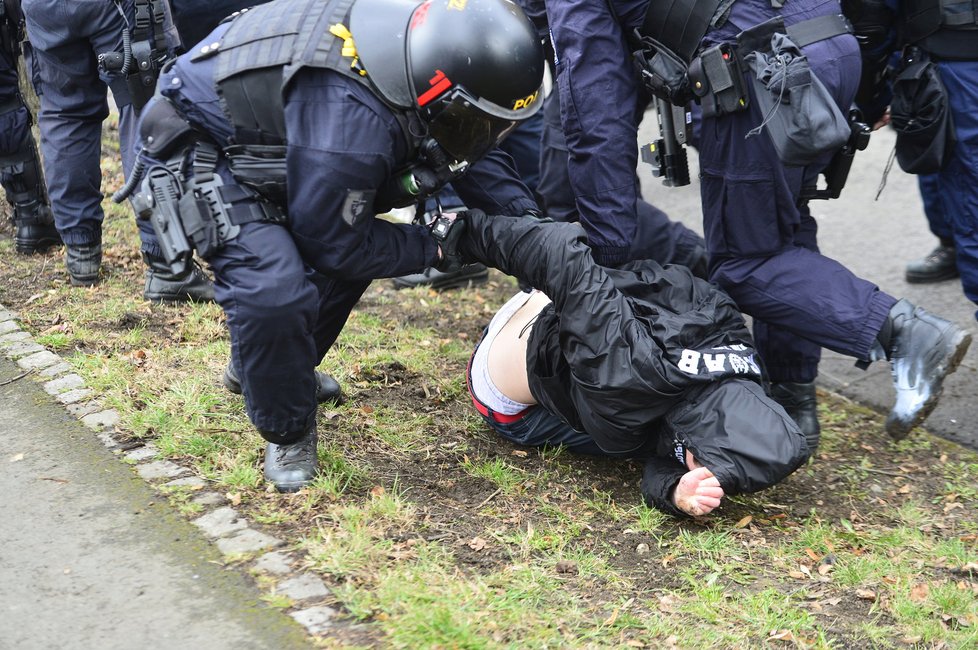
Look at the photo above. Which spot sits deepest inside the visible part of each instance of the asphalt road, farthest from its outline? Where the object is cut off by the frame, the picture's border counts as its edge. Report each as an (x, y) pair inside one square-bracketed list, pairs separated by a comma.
[(875, 239), (91, 558)]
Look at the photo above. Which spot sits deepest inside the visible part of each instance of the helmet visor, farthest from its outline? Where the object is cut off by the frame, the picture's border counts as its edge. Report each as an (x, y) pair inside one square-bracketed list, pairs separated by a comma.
[(465, 130)]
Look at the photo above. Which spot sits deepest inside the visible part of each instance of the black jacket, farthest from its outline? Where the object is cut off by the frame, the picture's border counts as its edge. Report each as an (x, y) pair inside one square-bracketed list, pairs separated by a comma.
[(643, 356)]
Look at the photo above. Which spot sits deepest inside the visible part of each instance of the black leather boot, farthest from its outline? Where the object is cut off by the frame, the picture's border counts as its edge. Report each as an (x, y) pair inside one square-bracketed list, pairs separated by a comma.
[(83, 263), (923, 349), (799, 401), (939, 265), (35, 229), (291, 467), (327, 388), (438, 280), (163, 285)]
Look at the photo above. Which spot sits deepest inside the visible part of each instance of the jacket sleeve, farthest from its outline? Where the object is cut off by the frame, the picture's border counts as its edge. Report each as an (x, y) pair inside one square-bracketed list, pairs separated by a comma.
[(598, 93), (492, 185), (342, 146)]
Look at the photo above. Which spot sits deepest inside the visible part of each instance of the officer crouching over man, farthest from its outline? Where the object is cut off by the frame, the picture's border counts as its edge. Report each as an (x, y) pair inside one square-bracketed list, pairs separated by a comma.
[(272, 144)]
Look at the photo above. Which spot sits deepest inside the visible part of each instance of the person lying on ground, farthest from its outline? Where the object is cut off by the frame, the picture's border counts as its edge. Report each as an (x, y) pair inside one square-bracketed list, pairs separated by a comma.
[(641, 361)]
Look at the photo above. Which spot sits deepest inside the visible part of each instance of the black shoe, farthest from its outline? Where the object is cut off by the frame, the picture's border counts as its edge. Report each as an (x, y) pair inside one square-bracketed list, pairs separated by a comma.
[(799, 402), (438, 280), (36, 234), (327, 388), (163, 285), (292, 467), (939, 265), (924, 349), (83, 263)]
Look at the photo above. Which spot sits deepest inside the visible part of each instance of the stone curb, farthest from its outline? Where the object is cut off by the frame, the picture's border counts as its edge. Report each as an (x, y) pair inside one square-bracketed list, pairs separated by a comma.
[(236, 538)]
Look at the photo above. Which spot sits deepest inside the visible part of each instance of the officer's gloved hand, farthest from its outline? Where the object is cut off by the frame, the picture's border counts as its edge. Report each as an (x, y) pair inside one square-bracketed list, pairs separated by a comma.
[(447, 231)]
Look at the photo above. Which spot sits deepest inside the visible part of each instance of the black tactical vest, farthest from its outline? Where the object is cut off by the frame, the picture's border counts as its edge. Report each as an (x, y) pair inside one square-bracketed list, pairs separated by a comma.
[(262, 51), (679, 25), (946, 29)]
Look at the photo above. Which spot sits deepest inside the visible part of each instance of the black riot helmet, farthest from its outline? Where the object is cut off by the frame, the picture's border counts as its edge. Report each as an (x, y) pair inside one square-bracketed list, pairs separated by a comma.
[(471, 69)]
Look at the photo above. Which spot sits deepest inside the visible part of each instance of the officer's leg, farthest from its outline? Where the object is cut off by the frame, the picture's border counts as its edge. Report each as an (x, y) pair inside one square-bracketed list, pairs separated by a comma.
[(959, 181), (523, 145), (553, 186), (657, 237), (271, 310), (941, 263), (20, 168), (161, 283), (751, 222), (73, 106)]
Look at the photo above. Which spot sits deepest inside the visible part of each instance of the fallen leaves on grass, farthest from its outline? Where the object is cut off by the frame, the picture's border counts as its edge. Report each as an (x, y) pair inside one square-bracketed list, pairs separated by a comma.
[(866, 594)]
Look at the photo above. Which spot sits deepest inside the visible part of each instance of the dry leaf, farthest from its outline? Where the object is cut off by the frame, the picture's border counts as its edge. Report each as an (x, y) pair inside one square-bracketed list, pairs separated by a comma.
[(804, 569), (904, 490), (234, 498), (797, 575), (669, 604), (866, 594), (743, 523), (16, 458), (377, 491), (919, 592), (519, 453), (812, 554), (477, 543), (782, 635), (824, 568)]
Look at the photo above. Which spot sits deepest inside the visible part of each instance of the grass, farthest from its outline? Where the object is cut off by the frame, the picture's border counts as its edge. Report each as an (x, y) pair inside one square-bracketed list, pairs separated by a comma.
[(432, 534)]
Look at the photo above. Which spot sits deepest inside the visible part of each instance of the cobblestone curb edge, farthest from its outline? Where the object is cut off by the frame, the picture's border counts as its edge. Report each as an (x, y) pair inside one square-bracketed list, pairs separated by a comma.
[(233, 535)]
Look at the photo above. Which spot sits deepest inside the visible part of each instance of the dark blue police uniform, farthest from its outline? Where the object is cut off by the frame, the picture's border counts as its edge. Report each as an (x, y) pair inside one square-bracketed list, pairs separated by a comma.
[(67, 36), (599, 100), (958, 181), (288, 290), (762, 239)]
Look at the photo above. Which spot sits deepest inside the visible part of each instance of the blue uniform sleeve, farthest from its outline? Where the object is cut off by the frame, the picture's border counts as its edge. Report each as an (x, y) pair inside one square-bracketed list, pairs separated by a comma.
[(598, 97), (343, 144), (493, 186)]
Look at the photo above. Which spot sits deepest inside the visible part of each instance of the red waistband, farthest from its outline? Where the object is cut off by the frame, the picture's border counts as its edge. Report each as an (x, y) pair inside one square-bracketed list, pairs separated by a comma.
[(498, 418)]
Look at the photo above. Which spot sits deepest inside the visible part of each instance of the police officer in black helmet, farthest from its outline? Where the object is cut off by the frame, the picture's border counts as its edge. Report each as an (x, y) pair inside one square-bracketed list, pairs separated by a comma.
[(275, 141)]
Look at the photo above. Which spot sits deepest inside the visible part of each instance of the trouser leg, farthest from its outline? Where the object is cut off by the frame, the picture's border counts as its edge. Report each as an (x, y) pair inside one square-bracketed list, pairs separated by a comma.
[(657, 237), (271, 309), (959, 181), (762, 245)]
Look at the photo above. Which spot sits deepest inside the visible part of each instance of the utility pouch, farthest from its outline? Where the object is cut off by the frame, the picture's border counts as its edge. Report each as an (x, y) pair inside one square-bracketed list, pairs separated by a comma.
[(717, 80), (921, 116), (802, 120), (262, 168)]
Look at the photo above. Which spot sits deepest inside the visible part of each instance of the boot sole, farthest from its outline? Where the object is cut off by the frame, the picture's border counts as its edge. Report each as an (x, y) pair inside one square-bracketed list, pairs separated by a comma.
[(83, 282), (931, 279), (33, 248), (899, 430), (469, 279)]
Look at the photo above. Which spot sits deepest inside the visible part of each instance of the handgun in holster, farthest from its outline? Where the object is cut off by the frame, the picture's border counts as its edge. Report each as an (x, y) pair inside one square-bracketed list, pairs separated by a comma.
[(159, 201), (836, 173)]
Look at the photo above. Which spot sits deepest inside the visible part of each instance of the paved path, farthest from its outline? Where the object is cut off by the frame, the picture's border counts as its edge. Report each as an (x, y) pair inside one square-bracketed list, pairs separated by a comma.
[(90, 557), (875, 239)]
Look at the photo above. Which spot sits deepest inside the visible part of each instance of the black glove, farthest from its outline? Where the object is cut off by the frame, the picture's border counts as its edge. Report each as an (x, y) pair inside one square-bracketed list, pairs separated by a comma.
[(447, 231)]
